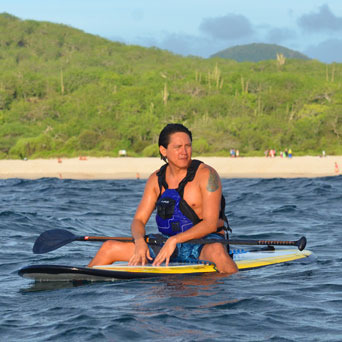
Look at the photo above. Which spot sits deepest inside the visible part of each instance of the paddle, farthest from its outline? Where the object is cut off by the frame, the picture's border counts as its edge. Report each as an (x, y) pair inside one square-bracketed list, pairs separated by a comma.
[(56, 238)]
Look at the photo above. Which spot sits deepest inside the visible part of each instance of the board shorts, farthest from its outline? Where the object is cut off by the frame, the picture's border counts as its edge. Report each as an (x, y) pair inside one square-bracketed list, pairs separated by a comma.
[(184, 252)]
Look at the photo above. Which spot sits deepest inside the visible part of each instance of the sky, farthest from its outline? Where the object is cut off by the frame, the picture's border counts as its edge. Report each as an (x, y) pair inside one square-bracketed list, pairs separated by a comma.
[(199, 27)]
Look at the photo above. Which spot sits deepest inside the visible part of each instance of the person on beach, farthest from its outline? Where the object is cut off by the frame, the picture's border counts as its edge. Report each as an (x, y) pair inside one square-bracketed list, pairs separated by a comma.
[(188, 197)]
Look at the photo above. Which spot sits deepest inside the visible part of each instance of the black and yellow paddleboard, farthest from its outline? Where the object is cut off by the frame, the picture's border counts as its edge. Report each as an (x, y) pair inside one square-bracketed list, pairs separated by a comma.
[(245, 260)]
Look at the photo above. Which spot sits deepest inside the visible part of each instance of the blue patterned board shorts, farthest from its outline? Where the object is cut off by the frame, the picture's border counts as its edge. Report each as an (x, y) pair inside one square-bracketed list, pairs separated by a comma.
[(184, 252)]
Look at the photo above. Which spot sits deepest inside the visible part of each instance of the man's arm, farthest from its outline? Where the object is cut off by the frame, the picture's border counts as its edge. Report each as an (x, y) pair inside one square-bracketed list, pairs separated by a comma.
[(142, 215)]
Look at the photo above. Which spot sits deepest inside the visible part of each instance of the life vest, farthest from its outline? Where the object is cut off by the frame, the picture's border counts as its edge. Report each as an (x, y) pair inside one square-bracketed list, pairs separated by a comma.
[(174, 214)]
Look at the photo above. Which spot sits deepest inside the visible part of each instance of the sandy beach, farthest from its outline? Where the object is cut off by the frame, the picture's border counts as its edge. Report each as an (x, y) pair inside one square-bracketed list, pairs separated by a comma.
[(125, 167)]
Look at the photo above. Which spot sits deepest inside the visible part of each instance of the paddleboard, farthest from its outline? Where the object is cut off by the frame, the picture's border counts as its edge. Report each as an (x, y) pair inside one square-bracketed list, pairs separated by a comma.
[(245, 260)]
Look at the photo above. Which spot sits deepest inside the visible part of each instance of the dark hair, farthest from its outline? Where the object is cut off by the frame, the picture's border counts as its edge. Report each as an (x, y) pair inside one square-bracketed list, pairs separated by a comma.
[(169, 129)]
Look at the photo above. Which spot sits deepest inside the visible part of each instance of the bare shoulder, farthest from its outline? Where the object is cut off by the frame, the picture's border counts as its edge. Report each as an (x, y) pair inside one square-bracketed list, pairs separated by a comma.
[(148, 200), (152, 183), (153, 177), (209, 178)]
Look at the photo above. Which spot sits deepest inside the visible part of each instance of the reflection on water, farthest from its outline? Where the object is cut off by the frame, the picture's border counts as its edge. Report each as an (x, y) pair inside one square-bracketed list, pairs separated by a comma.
[(188, 286), (38, 286)]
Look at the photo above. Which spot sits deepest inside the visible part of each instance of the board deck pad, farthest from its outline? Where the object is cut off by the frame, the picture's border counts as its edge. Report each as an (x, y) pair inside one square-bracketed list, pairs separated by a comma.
[(245, 260)]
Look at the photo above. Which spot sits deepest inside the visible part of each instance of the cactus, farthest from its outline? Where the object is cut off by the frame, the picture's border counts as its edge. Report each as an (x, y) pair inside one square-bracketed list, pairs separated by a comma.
[(280, 59), (165, 94)]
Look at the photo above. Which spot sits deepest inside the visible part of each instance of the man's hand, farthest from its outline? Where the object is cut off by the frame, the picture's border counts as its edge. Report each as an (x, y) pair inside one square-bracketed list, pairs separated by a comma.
[(166, 252), (141, 253)]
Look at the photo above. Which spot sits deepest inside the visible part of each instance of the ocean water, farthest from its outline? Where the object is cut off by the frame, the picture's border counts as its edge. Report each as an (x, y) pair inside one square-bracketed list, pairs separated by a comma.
[(292, 302)]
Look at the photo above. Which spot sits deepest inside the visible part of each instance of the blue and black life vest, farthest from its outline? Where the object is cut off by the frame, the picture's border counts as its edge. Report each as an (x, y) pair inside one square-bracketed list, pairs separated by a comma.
[(174, 214)]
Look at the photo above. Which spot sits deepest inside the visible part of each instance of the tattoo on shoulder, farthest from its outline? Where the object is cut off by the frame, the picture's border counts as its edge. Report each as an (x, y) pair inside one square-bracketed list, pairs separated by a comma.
[(213, 182)]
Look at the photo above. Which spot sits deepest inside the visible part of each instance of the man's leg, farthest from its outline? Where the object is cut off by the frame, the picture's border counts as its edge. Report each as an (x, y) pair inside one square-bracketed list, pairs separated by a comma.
[(217, 253), (112, 251)]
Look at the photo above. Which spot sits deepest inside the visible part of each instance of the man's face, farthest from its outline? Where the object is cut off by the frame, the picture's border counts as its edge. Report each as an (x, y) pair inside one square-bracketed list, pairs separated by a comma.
[(179, 149)]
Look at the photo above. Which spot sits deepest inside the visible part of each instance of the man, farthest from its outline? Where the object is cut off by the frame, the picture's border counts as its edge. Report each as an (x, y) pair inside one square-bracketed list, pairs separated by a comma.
[(189, 202)]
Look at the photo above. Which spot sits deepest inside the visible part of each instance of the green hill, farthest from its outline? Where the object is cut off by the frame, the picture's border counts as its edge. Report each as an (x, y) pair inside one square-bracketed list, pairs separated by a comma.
[(67, 93), (257, 52)]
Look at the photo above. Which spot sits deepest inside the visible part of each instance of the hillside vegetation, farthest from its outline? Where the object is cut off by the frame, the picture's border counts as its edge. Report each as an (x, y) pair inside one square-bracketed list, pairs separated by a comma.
[(66, 93), (257, 52)]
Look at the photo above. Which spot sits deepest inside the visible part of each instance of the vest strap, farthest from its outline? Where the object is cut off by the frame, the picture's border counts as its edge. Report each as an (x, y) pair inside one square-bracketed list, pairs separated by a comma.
[(161, 178), (190, 175)]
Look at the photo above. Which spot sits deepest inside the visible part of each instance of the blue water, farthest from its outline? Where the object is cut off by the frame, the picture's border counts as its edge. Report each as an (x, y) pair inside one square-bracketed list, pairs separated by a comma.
[(299, 301)]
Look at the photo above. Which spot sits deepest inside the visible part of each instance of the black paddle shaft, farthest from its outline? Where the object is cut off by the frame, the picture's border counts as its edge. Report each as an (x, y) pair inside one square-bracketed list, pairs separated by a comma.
[(56, 238), (301, 243)]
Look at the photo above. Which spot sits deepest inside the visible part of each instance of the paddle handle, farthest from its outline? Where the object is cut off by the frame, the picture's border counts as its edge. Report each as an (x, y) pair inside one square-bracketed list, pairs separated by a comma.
[(301, 243)]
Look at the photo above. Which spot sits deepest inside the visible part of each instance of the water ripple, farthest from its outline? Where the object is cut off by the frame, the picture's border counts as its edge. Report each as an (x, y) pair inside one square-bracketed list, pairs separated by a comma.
[(299, 301)]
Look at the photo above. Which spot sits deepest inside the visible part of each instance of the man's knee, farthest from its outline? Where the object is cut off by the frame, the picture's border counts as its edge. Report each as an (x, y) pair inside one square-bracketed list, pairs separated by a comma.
[(110, 246), (214, 250)]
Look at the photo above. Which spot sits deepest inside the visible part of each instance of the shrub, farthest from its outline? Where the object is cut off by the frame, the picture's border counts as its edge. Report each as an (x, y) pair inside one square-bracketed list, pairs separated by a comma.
[(151, 151)]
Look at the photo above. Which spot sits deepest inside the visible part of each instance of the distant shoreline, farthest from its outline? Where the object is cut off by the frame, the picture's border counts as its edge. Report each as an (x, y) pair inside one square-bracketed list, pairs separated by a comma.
[(132, 168)]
